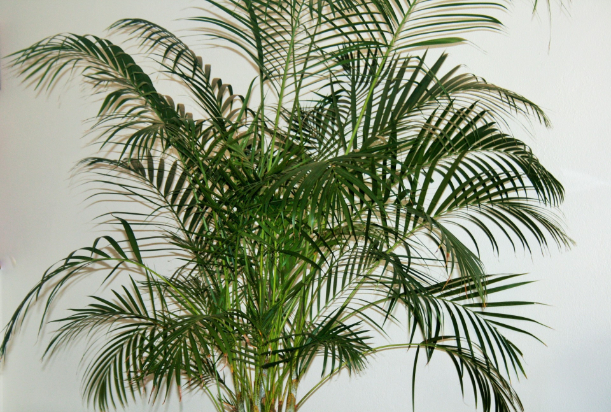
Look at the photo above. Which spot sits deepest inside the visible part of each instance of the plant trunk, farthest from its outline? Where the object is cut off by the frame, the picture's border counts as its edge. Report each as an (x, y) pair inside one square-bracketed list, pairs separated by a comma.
[(291, 400), (240, 403)]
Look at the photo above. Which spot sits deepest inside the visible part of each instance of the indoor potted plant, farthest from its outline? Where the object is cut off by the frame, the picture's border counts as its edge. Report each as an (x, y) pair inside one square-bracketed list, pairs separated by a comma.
[(355, 176)]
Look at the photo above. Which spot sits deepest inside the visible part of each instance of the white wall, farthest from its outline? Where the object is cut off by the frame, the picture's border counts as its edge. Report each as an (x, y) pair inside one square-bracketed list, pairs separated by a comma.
[(43, 214)]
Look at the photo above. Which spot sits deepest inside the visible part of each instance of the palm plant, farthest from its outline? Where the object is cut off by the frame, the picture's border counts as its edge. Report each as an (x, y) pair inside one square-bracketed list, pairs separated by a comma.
[(354, 176)]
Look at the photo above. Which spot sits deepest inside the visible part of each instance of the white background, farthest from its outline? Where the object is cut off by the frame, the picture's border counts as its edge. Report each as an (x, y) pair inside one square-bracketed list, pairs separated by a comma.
[(564, 67)]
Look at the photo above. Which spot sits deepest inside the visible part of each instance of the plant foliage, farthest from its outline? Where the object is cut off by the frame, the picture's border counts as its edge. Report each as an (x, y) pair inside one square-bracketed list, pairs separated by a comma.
[(356, 175)]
